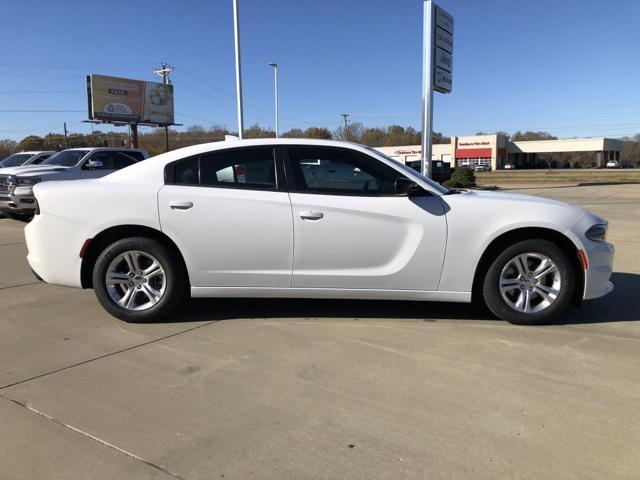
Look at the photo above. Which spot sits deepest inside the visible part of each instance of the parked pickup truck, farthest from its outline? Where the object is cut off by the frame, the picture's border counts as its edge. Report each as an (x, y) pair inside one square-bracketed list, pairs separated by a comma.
[(25, 158), (16, 184)]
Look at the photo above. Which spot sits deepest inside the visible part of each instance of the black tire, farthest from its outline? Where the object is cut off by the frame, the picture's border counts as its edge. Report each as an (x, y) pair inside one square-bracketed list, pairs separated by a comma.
[(175, 278), (491, 284)]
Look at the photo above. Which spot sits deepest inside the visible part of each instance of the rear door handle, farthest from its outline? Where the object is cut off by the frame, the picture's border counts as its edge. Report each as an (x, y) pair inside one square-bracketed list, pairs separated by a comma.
[(176, 205), (309, 215)]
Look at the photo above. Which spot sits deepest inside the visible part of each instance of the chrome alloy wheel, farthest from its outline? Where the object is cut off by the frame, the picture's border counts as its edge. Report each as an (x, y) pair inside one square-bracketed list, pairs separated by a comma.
[(135, 280), (530, 282)]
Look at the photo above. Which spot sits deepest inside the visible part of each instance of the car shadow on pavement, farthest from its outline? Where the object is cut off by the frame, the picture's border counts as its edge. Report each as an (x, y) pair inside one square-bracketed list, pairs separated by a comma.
[(201, 309), (623, 304)]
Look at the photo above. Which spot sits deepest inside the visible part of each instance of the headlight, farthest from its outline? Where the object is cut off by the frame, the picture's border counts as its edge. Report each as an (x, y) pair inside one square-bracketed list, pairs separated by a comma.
[(27, 180), (597, 233)]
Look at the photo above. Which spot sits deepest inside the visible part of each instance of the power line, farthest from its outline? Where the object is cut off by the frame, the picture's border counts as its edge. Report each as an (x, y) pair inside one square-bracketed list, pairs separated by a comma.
[(42, 91), (41, 111)]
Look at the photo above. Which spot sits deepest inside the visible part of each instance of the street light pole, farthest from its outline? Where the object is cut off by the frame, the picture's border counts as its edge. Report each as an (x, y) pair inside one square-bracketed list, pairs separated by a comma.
[(275, 80), (236, 41)]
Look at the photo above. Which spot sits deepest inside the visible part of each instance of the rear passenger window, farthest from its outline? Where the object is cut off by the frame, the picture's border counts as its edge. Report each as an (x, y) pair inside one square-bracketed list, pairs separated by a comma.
[(252, 168), (186, 172)]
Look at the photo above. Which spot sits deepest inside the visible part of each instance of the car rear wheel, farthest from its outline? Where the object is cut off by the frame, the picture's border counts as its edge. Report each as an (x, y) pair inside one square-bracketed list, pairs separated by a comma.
[(136, 280), (529, 283)]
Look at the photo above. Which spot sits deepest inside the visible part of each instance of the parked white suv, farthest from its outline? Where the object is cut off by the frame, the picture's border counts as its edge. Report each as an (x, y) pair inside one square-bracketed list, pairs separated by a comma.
[(315, 219), (25, 158), (16, 183)]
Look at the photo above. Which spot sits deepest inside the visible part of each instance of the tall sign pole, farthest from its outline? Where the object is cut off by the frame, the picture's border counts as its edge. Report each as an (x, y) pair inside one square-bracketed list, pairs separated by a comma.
[(427, 86), (437, 58), (236, 41)]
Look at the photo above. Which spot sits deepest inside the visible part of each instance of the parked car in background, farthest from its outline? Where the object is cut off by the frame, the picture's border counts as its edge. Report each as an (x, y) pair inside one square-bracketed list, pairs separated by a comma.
[(25, 158), (509, 166), (614, 164), (16, 183), (220, 219), (482, 168)]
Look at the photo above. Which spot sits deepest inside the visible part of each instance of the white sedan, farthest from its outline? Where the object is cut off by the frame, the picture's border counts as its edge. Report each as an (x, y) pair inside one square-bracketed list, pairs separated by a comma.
[(313, 219)]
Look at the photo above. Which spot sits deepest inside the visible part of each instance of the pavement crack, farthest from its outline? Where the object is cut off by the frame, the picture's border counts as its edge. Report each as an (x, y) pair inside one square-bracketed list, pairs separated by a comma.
[(21, 285), (106, 355), (157, 466)]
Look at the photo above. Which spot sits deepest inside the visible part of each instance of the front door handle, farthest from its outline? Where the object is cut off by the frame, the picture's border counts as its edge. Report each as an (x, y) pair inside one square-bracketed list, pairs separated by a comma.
[(175, 205), (309, 215)]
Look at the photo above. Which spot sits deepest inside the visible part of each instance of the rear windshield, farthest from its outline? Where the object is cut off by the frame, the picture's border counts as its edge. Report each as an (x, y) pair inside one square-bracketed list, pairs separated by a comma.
[(65, 158), (15, 160)]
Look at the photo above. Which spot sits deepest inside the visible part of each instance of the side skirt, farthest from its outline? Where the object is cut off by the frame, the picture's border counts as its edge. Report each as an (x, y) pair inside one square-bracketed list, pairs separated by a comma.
[(336, 293)]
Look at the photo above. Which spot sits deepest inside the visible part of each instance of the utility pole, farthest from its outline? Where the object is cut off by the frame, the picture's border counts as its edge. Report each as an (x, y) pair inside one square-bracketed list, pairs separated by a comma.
[(66, 140), (236, 41), (164, 72), (275, 79), (345, 132)]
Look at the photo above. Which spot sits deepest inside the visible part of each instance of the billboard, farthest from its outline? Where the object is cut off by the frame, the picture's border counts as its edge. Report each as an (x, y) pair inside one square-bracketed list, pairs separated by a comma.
[(115, 99)]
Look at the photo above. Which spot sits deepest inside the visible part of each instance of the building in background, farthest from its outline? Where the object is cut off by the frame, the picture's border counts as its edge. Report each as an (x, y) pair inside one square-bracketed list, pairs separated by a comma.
[(498, 151)]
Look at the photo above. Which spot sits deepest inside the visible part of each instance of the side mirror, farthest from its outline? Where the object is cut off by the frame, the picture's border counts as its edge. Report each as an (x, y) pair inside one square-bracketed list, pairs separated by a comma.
[(408, 188), (94, 164)]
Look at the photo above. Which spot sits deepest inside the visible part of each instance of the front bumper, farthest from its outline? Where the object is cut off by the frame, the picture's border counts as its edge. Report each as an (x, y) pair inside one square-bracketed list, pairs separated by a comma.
[(600, 256), (21, 204)]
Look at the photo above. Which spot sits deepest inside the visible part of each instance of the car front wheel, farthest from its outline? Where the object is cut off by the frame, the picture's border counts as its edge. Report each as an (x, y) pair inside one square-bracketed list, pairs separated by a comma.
[(529, 283), (136, 280)]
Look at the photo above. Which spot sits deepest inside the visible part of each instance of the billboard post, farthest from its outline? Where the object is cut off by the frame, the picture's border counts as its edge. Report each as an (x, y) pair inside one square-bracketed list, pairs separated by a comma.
[(437, 58)]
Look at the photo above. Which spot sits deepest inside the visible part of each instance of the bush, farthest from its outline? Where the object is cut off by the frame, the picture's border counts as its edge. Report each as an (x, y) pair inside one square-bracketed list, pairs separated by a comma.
[(462, 177), (452, 184)]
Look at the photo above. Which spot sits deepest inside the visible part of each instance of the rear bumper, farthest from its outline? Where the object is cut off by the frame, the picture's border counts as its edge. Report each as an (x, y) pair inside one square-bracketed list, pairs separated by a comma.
[(53, 257), (597, 283)]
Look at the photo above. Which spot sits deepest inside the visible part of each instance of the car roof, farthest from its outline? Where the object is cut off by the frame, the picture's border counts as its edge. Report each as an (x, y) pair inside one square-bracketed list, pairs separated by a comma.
[(119, 149), (36, 152), (152, 170)]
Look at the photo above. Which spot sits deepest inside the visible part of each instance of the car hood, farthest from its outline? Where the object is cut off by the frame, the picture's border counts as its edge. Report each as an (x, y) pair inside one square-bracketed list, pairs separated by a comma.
[(33, 170), (513, 197), (498, 208)]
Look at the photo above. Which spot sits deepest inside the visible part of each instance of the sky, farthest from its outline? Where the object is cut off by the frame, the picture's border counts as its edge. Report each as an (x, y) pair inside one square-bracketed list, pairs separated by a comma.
[(568, 67)]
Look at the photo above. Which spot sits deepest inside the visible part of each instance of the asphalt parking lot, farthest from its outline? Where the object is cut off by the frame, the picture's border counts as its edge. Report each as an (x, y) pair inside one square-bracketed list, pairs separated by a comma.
[(241, 389)]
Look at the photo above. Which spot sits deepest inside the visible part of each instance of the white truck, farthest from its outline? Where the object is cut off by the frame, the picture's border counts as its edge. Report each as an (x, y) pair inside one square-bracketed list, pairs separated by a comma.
[(16, 183)]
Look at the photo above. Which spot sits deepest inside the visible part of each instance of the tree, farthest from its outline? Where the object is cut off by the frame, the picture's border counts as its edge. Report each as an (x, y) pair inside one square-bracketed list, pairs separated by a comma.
[(353, 133), (32, 142), (529, 135), (7, 147), (256, 131), (318, 132), (374, 137), (294, 133)]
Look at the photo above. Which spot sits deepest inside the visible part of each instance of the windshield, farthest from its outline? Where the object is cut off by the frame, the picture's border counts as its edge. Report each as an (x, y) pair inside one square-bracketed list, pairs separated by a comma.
[(15, 160), (435, 185), (65, 158)]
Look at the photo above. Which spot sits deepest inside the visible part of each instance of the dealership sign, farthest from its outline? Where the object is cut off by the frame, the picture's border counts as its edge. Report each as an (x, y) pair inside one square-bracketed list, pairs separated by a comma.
[(114, 99), (437, 70), (442, 51)]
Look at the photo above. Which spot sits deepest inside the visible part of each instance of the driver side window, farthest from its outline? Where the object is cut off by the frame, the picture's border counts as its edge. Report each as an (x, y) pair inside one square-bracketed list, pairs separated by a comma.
[(340, 172)]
